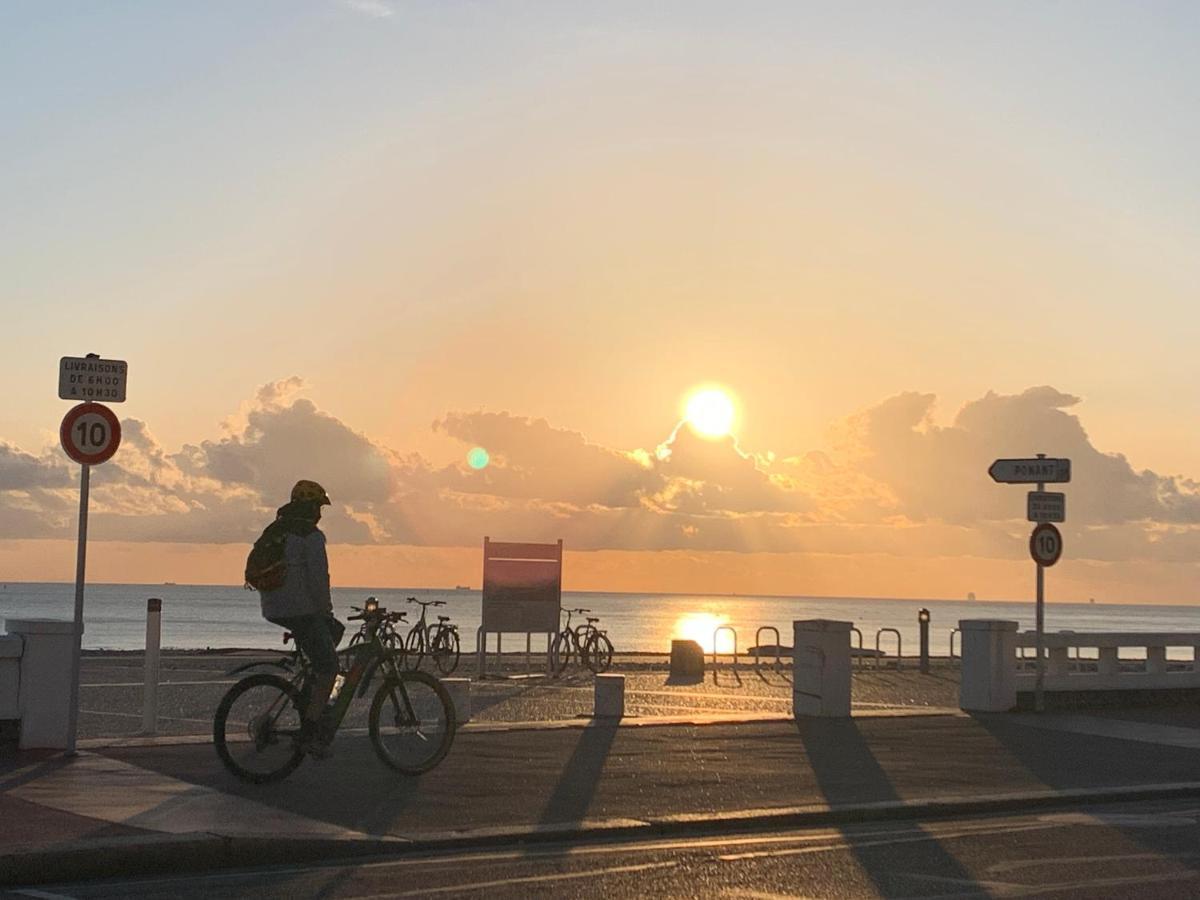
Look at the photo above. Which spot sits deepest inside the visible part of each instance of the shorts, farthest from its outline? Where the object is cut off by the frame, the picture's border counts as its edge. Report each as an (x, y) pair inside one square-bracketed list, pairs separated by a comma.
[(314, 635)]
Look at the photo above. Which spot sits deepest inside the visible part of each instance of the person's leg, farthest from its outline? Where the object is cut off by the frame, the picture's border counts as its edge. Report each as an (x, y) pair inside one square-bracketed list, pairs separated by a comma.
[(313, 637)]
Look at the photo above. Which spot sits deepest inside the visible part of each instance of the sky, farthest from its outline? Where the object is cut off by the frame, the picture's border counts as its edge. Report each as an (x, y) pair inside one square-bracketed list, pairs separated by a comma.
[(355, 240)]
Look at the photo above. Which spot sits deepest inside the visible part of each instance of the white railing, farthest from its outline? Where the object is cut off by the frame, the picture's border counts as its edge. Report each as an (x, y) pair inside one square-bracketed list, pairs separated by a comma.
[(1108, 669)]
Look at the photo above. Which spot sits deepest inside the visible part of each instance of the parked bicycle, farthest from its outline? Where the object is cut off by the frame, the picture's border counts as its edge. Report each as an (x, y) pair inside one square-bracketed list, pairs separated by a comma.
[(439, 642), (411, 724), (586, 642)]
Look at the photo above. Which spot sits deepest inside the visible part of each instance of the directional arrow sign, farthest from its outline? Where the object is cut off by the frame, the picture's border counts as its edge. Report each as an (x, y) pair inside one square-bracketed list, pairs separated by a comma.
[(1030, 471)]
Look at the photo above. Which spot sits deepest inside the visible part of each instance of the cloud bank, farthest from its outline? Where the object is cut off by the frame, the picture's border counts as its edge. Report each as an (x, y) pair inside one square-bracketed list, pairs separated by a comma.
[(891, 481)]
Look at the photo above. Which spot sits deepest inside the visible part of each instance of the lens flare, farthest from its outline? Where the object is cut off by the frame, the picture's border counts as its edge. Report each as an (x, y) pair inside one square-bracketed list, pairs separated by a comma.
[(478, 458)]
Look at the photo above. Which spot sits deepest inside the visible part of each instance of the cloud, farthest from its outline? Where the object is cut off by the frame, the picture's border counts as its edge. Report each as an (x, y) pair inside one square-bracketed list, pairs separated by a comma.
[(21, 471), (376, 9), (890, 480)]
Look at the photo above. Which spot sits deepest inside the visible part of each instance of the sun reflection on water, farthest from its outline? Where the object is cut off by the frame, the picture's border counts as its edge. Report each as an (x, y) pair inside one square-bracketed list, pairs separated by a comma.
[(699, 627)]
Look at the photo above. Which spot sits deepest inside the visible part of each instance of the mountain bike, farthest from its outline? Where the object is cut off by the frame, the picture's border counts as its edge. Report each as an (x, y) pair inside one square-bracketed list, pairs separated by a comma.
[(411, 724), (439, 642), (591, 645)]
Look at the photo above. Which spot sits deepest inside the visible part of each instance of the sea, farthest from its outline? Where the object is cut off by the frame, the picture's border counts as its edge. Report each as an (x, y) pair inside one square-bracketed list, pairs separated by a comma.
[(209, 616)]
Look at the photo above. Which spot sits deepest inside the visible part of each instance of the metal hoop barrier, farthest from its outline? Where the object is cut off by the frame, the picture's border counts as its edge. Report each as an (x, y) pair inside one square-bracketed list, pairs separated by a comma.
[(758, 644), (899, 646), (731, 630), (953, 632), (858, 658)]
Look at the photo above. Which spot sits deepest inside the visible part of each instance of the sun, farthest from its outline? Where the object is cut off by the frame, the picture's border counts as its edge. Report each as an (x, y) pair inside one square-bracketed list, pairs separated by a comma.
[(709, 412)]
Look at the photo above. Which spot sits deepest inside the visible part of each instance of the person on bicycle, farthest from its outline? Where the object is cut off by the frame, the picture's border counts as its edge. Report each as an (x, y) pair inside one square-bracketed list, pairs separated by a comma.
[(302, 605)]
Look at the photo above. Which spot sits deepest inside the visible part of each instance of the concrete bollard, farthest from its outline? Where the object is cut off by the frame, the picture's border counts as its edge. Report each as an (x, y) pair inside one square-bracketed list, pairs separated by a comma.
[(11, 648), (150, 666), (989, 666), (687, 660), (459, 690), (821, 671), (45, 700), (610, 696)]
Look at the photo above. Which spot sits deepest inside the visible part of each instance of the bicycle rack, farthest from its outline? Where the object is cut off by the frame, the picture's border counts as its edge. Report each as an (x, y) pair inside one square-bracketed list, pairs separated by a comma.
[(899, 645), (758, 644), (953, 632), (858, 659), (732, 631)]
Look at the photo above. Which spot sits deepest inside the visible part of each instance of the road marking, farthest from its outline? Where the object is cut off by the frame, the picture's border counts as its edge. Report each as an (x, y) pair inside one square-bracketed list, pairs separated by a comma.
[(526, 879), (43, 895), (138, 716), (125, 684)]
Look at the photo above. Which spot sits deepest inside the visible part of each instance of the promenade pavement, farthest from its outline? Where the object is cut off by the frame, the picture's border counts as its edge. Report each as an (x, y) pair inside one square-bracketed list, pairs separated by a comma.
[(169, 805)]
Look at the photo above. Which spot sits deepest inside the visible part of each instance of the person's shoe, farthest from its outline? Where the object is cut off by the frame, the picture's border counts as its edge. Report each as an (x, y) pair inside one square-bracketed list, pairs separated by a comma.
[(315, 741)]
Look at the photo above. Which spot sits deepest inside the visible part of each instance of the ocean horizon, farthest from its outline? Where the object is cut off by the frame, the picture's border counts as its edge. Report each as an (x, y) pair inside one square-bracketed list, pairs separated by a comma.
[(227, 616)]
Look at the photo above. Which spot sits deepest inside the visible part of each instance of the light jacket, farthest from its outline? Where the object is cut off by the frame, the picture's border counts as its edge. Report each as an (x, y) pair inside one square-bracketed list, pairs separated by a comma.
[(305, 591)]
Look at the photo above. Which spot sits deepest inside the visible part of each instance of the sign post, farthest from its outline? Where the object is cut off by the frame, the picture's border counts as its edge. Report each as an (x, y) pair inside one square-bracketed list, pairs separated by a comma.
[(1045, 543), (90, 435)]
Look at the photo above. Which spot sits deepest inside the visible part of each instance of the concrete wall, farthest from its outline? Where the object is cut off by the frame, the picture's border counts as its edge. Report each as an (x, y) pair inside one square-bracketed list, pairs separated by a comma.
[(992, 674)]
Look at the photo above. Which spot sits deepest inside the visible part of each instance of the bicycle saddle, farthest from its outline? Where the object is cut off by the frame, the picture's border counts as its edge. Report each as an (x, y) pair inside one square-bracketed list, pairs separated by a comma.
[(443, 618)]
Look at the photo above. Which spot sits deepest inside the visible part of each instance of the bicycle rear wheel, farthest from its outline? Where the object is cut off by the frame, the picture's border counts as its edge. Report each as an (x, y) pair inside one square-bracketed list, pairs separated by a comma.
[(412, 722), (599, 653), (445, 651), (256, 730)]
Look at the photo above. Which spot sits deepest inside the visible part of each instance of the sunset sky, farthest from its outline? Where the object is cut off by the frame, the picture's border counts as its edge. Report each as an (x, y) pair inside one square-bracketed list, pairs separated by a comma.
[(352, 241)]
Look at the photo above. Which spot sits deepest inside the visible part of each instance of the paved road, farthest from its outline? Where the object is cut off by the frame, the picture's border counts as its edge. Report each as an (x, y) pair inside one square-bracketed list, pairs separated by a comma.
[(1124, 850)]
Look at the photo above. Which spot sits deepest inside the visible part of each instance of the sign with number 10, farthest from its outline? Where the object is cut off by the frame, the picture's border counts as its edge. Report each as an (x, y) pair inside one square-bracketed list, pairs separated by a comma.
[(90, 433), (1045, 544)]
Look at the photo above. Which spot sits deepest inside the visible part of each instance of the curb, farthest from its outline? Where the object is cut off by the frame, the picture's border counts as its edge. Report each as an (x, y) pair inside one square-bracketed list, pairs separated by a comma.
[(137, 856)]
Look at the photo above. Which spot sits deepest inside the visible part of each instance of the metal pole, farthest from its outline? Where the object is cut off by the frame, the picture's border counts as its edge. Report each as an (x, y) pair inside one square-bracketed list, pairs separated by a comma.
[(923, 622), (80, 566), (1039, 700), (150, 665)]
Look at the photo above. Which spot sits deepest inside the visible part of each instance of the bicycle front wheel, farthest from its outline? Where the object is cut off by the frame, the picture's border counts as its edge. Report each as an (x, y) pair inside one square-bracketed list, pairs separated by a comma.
[(445, 651), (415, 647), (560, 652), (256, 730), (412, 722)]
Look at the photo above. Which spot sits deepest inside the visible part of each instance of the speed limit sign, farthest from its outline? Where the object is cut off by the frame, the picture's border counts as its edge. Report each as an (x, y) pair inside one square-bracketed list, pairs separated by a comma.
[(90, 433), (1045, 544)]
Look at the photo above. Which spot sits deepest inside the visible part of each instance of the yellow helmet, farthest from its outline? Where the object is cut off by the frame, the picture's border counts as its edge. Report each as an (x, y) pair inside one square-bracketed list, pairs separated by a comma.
[(310, 490)]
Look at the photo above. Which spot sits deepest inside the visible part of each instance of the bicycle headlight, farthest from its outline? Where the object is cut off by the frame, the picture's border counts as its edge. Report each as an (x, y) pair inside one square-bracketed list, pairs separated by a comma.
[(371, 605)]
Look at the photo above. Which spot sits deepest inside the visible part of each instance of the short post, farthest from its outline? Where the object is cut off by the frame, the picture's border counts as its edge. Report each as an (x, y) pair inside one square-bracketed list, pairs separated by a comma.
[(821, 670), (610, 696), (459, 690), (989, 672), (923, 622), (150, 666)]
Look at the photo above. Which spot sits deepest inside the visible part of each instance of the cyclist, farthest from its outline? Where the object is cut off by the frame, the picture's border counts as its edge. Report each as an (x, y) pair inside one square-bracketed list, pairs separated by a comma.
[(302, 606)]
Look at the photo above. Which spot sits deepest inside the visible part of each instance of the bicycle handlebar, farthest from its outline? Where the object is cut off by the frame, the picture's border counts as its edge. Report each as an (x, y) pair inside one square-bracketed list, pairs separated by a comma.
[(427, 602)]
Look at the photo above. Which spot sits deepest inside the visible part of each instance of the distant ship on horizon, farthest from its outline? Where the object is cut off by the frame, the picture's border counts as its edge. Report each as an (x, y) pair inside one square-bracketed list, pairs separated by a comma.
[(462, 587)]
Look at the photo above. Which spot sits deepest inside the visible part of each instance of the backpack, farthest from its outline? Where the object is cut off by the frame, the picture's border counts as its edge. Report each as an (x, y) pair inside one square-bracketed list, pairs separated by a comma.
[(266, 566)]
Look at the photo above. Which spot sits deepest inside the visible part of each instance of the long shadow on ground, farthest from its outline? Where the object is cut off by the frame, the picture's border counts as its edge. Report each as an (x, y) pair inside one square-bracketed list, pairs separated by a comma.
[(847, 772)]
